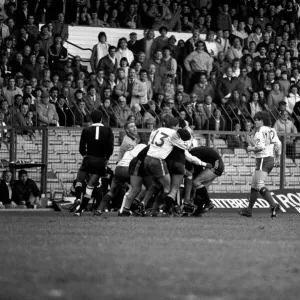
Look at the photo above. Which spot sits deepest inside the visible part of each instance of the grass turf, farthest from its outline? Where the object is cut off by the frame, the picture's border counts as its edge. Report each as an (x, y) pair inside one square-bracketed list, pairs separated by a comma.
[(47, 255)]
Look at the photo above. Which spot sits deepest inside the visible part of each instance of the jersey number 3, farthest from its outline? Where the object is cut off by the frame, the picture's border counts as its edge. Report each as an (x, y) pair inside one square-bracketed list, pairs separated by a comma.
[(159, 142)]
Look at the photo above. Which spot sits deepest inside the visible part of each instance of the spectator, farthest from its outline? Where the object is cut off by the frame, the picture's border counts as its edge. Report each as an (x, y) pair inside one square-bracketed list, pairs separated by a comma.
[(275, 96), (32, 69), (130, 18), (65, 115), (31, 28), (7, 116), (209, 107), (133, 44), (26, 190), (254, 105), (108, 63), (109, 116), (216, 122), (60, 27), (235, 51), (292, 99), (244, 83), (4, 30), (22, 120), (7, 190), (160, 14), (82, 114), (122, 111), (136, 113), (224, 19), (92, 99), (285, 126), (4, 136), (203, 88), (196, 62), (235, 140), (123, 51), (45, 41), (135, 88), (11, 91), (161, 41), (47, 115), (100, 50)]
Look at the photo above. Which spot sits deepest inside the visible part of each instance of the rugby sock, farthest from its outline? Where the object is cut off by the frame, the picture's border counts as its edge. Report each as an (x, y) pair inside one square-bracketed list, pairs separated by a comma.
[(202, 192), (267, 196), (253, 198), (87, 197), (105, 200), (78, 190)]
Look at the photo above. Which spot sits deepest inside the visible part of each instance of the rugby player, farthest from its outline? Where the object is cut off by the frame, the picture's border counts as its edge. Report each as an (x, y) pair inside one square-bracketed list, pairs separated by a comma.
[(96, 146), (203, 177), (120, 178), (267, 149)]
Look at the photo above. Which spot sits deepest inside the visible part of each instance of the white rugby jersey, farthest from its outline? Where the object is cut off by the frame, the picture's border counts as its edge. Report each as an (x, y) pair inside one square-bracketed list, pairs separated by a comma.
[(162, 140), (266, 141), (129, 155)]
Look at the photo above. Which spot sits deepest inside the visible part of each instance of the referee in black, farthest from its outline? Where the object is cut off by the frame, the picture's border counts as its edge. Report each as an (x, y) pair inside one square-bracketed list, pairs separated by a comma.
[(96, 147)]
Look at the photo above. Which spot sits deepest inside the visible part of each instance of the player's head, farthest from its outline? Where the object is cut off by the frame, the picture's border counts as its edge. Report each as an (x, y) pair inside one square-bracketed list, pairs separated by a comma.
[(170, 122), (184, 134), (130, 128), (262, 118), (96, 116)]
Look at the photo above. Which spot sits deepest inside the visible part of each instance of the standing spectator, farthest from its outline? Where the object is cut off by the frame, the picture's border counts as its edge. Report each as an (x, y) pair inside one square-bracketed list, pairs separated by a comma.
[(60, 27), (130, 18), (133, 44), (235, 51), (22, 120), (82, 114), (135, 88), (154, 78), (26, 190), (45, 41), (146, 43), (257, 77), (46, 112), (22, 14), (31, 28), (99, 50), (245, 83), (292, 99), (149, 92), (123, 51), (32, 69), (261, 19), (224, 19), (11, 91), (160, 14), (161, 41), (58, 56), (196, 62), (254, 105), (227, 85), (275, 96), (108, 63)]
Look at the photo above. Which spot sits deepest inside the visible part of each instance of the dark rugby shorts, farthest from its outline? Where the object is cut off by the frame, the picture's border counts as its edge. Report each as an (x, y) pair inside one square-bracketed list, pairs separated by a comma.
[(121, 175), (155, 167), (94, 165), (175, 167), (136, 168), (265, 164)]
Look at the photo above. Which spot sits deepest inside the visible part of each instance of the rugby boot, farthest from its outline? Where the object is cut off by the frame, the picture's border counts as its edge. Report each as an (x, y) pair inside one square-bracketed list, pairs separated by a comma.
[(245, 212), (208, 207), (274, 211)]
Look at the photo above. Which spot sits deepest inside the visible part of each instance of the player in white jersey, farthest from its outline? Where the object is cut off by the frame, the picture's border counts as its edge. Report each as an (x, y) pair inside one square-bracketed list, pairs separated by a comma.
[(121, 176), (161, 144), (267, 149)]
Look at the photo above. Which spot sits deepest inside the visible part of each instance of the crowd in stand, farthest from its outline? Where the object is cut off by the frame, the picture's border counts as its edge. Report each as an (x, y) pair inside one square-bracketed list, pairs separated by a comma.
[(241, 58)]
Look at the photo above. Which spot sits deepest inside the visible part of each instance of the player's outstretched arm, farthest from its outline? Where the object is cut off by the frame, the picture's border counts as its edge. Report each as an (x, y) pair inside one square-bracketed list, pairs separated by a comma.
[(193, 159)]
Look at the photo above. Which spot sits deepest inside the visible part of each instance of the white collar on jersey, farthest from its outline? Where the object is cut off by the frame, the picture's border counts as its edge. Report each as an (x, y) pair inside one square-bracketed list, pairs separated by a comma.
[(97, 124)]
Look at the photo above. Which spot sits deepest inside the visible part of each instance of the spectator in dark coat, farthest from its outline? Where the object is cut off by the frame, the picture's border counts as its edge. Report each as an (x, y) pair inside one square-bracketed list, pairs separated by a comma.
[(60, 27), (224, 19), (7, 190), (109, 62), (257, 77), (227, 84)]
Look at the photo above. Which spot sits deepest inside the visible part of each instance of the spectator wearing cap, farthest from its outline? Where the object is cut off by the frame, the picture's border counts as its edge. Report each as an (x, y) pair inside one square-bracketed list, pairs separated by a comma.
[(108, 63), (196, 62), (224, 19), (32, 69), (60, 27), (10, 91), (4, 30), (123, 51), (26, 190), (133, 44), (160, 13), (46, 112), (100, 50), (161, 41), (92, 99)]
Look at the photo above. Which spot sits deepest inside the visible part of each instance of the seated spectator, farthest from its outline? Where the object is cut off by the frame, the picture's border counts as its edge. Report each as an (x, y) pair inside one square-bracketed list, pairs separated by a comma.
[(292, 99), (235, 140), (4, 136), (254, 105), (92, 99), (26, 190), (46, 112), (82, 115), (203, 88), (123, 51), (275, 96), (151, 113), (96, 22), (235, 51), (7, 191), (22, 120), (109, 116), (7, 116), (122, 111), (285, 126), (136, 113), (99, 50), (209, 107), (124, 65), (193, 118), (65, 115), (10, 91)]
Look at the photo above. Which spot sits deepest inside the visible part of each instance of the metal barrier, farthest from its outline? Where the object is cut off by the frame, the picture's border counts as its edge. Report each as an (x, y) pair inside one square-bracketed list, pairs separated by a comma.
[(52, 159)]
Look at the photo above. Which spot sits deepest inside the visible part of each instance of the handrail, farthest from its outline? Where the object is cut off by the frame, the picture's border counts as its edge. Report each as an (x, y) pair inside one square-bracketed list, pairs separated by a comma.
[(87, 49), (81, 59)]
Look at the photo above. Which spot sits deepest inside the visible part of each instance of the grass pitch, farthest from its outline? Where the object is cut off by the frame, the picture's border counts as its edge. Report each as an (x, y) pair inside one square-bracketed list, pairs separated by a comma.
[(47, 255)]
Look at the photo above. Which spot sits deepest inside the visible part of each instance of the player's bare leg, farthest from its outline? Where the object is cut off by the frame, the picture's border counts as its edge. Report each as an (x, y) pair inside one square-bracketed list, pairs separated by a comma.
[(176, 181)]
